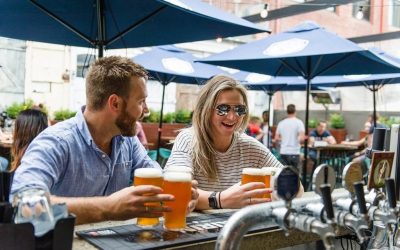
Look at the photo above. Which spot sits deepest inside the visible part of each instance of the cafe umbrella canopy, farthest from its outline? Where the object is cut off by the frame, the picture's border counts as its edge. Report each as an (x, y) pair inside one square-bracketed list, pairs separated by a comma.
[(168, 64), (270, 85), (373, 82), (112, 24), (306, 50)]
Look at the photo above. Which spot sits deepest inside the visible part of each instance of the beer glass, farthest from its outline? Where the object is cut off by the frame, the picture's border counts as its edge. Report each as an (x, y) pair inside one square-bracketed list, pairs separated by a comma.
[(179, 184), (148, 176), (253, 175), (33, 206)]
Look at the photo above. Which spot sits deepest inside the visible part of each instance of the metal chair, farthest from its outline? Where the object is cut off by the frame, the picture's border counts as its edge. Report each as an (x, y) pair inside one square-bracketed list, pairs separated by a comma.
[(164, 155), (152, 154)]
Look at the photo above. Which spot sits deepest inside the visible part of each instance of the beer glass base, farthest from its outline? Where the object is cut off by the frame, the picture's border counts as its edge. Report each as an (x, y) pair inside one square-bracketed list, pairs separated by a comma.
[(174, 229)]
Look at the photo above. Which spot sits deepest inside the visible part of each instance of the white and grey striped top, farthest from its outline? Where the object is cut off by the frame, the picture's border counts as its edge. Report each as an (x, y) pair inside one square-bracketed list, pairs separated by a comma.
[(244, 152)]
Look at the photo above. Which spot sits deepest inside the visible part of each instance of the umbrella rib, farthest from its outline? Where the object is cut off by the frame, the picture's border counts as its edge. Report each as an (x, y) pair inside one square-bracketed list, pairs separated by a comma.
[(63, 22), (334, 64), (134, 26), (291, 68)]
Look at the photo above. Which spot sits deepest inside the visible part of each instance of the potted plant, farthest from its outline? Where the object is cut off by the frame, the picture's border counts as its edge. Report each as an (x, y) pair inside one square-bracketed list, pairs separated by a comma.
[(337, 124), (15, 108), (61, 115)]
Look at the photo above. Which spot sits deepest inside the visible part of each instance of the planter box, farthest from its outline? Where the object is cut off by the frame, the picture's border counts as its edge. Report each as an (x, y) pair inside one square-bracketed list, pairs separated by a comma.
[(168, 130), (339, 134)]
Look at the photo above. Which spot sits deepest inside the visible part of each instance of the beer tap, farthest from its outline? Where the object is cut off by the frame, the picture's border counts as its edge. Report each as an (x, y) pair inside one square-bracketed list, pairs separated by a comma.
[(288, 218), (342, 215)]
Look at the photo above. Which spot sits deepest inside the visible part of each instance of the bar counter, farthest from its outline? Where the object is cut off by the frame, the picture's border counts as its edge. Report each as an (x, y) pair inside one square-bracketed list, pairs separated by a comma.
[(272, 239)]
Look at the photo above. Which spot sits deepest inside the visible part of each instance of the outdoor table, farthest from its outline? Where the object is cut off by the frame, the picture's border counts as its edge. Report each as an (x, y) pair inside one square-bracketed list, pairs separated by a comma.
[(335, 155)]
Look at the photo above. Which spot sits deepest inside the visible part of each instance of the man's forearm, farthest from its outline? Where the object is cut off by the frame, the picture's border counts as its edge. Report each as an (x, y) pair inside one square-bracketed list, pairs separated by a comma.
[(86, 209)]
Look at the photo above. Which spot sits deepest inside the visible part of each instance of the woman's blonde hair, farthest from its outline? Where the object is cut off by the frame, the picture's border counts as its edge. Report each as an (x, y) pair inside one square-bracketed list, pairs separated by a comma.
[(203, 150)]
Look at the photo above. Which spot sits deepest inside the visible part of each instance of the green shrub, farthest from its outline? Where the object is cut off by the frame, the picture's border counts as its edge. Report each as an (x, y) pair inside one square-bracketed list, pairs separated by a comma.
[(389, 121), (169, 117), (312, 123), (153, 117), (183, 116), (15, 108), (337, 121), (63, 114)]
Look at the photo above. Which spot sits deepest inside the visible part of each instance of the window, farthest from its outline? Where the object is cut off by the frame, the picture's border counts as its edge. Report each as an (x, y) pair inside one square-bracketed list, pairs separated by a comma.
[(364, 7), (83, 63), (394, 13)]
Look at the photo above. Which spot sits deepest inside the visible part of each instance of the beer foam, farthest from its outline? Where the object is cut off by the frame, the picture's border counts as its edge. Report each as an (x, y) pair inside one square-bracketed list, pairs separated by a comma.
[(177, 177), (253, 171), (182, 169), (270, 170), (148, 172)]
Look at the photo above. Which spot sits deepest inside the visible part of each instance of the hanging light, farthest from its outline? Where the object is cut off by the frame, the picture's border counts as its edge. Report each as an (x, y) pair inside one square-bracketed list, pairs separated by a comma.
[(360, 13), (264, 11)]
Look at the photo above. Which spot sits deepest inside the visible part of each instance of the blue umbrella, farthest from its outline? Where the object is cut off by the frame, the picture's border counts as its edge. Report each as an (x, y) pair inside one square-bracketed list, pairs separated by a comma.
[(118, 23), (306, 50), (372, 82), (171, 64)]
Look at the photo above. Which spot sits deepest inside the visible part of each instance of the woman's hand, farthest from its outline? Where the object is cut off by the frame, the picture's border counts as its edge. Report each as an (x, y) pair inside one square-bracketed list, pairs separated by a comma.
[(195, 197), (238, 196)]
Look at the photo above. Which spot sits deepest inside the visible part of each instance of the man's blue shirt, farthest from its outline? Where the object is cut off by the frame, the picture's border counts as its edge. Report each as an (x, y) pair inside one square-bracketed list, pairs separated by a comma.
[(65, 160)]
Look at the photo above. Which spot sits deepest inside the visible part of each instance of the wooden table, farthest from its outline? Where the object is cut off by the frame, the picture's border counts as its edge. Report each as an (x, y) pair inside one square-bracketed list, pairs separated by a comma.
[(335, 155)]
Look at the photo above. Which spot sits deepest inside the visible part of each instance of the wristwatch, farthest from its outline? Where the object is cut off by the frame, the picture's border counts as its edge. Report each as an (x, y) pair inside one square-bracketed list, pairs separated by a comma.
[(212, 200)]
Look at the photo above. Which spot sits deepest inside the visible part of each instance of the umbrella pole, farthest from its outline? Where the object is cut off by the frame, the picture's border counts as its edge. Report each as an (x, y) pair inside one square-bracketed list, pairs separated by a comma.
[(269, 122), (161, 118), (306, 135), (101, 27), (374, 102)]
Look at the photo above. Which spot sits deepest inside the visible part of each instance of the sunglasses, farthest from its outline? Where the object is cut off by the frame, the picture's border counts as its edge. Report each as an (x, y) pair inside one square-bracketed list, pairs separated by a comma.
[(223, 109)]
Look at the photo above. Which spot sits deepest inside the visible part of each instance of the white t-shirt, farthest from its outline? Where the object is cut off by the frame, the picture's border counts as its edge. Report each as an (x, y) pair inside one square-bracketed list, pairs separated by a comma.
[(289, 129), (244, 152)]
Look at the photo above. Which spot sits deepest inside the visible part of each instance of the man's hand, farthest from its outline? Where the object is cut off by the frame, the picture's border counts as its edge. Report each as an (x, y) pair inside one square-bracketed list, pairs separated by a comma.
[(130, 202)]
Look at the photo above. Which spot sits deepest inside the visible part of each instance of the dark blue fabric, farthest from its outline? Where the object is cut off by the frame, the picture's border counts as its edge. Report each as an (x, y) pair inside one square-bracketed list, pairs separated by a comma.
[(139, 23)]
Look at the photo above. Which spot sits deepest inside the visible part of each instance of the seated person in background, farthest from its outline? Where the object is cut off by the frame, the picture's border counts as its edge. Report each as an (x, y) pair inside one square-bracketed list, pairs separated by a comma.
[(319, 134), (140, 134), (217, 149), (254, 128), (266, 140), (4, 161), (88, 161), (28, 125)]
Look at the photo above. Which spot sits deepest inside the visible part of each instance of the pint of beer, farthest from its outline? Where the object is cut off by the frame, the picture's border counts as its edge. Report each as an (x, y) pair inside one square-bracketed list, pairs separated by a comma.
[(253, 175), (179, 184), (269, 178), (148, 176)]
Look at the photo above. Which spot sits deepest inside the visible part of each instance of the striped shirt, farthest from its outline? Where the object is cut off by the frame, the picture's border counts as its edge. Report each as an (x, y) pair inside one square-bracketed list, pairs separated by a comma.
[(244, 152)]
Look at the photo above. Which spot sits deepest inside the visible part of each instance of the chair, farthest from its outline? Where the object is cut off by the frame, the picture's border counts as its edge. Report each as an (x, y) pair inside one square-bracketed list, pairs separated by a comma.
[(152, 154), (164, 155)]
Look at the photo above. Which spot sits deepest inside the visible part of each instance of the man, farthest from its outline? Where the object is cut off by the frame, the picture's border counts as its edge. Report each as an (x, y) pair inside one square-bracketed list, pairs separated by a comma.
[(89, 161), (290, 133), (319, 134)]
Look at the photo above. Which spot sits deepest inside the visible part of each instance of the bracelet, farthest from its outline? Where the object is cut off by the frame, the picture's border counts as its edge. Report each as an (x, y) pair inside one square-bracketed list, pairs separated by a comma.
[(219, 200)]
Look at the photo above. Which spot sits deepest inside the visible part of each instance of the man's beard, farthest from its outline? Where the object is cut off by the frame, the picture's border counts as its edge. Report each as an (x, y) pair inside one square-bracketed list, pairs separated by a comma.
[(126, 123)]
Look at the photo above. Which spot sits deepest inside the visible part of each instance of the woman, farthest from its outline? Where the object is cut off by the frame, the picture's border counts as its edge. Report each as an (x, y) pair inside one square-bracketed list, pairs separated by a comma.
[(28, 125), (217, 149)]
